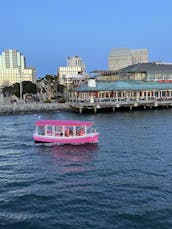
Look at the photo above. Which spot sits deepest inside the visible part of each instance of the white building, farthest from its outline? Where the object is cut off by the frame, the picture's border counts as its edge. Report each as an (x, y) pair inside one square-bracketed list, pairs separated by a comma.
[(75, 61), (13, 68), (75, 69)]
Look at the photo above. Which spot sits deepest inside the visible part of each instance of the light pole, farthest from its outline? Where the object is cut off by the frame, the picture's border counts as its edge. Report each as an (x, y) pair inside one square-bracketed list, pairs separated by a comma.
[(21, 86), (1, 97)]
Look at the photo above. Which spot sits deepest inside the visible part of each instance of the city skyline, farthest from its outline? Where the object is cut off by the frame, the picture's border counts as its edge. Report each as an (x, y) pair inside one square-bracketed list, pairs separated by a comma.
[(47, 32)]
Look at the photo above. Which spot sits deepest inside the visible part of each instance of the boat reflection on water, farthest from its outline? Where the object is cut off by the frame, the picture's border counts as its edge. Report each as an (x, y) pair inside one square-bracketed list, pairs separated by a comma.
[(74, 153), (69, 153), (75, 161)]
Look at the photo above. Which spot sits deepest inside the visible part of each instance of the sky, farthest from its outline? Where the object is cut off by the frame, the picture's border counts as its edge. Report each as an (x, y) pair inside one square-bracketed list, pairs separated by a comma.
[(47, 31)]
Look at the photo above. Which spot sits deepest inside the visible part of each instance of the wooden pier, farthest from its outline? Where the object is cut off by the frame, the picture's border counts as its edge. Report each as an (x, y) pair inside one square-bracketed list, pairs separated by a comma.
[(114, 105)]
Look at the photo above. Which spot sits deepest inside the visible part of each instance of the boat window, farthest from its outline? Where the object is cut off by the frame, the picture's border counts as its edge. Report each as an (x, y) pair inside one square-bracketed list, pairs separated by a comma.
[(69, 131), (41, 130), (58, 130), (80, 130), (49, 130)]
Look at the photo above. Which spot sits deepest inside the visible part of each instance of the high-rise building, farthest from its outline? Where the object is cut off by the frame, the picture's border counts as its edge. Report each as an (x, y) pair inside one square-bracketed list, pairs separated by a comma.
[(124, 57), (13, 68)]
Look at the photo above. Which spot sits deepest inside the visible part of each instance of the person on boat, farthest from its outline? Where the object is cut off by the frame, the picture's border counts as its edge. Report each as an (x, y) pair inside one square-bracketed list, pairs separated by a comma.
[(81, 132), (68, 133), (49, 132)]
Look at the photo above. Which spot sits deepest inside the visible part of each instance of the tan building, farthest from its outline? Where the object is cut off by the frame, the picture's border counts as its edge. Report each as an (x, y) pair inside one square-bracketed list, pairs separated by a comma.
[(13, 68), (75, 69), (123, 57)]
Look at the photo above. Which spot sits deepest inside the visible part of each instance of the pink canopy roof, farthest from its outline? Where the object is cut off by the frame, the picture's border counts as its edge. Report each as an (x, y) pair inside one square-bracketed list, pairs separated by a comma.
[(63, 123)]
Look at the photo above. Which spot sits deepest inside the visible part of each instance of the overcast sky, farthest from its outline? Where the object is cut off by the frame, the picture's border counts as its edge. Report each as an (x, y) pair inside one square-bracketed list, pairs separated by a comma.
[(47, 31)]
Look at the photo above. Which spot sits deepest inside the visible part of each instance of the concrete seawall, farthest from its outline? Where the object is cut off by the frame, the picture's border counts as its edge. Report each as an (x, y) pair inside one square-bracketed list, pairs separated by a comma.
[(32, 107)]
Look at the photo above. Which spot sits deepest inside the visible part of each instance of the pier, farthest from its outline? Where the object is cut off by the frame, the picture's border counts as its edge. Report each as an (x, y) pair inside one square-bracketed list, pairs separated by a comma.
[(115, 105), (117, 95)]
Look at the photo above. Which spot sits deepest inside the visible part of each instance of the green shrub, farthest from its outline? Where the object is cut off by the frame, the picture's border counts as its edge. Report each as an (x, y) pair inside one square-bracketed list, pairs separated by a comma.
[(47, 101)]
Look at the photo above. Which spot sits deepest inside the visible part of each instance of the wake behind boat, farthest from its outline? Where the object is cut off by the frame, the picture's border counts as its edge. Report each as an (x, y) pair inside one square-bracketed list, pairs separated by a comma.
[(65, 132)]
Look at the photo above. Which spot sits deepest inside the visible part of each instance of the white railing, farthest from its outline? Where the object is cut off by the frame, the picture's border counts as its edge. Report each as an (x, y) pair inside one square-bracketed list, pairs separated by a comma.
[(119, 99)]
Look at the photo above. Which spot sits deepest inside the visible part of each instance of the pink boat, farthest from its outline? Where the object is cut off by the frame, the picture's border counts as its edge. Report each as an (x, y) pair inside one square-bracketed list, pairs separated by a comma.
[(65, 132)]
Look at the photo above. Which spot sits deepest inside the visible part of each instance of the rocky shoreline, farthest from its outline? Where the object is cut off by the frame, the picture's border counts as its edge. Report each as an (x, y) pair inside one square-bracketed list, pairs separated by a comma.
[(32, 108)]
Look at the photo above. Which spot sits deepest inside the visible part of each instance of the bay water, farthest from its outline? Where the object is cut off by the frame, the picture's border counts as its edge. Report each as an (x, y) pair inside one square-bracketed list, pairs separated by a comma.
[(124, 181)]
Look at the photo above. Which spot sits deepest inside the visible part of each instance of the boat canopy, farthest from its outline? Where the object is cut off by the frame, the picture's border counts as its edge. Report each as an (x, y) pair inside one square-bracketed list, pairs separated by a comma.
[(63, 123)]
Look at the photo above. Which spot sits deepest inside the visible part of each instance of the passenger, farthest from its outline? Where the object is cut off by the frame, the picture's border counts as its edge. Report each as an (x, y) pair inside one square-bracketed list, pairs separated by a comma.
[(49, 132), (81, 132), (77, 132), (68, 133)]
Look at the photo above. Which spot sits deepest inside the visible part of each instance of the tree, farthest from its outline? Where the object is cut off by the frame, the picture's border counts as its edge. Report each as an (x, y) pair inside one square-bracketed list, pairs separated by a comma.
[(11, 90), (49, 84), (28, 87)]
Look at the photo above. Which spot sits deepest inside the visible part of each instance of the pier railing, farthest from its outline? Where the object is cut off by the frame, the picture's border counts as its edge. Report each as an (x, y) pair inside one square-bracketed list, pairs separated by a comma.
[(99, 103), (120, 99)]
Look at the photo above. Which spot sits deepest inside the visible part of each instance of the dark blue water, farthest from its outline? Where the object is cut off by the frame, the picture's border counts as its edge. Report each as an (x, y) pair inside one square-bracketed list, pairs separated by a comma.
[(123, 182)]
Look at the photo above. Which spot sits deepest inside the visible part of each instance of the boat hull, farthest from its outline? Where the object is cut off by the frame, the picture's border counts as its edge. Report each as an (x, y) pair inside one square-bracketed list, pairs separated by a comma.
[(77, 140)]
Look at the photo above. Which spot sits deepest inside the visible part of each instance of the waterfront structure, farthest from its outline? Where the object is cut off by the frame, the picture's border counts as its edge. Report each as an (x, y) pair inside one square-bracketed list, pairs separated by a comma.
[(20, 108), (145, 71), (74, 72), (13, 68), (117, 94), (123, 57)]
